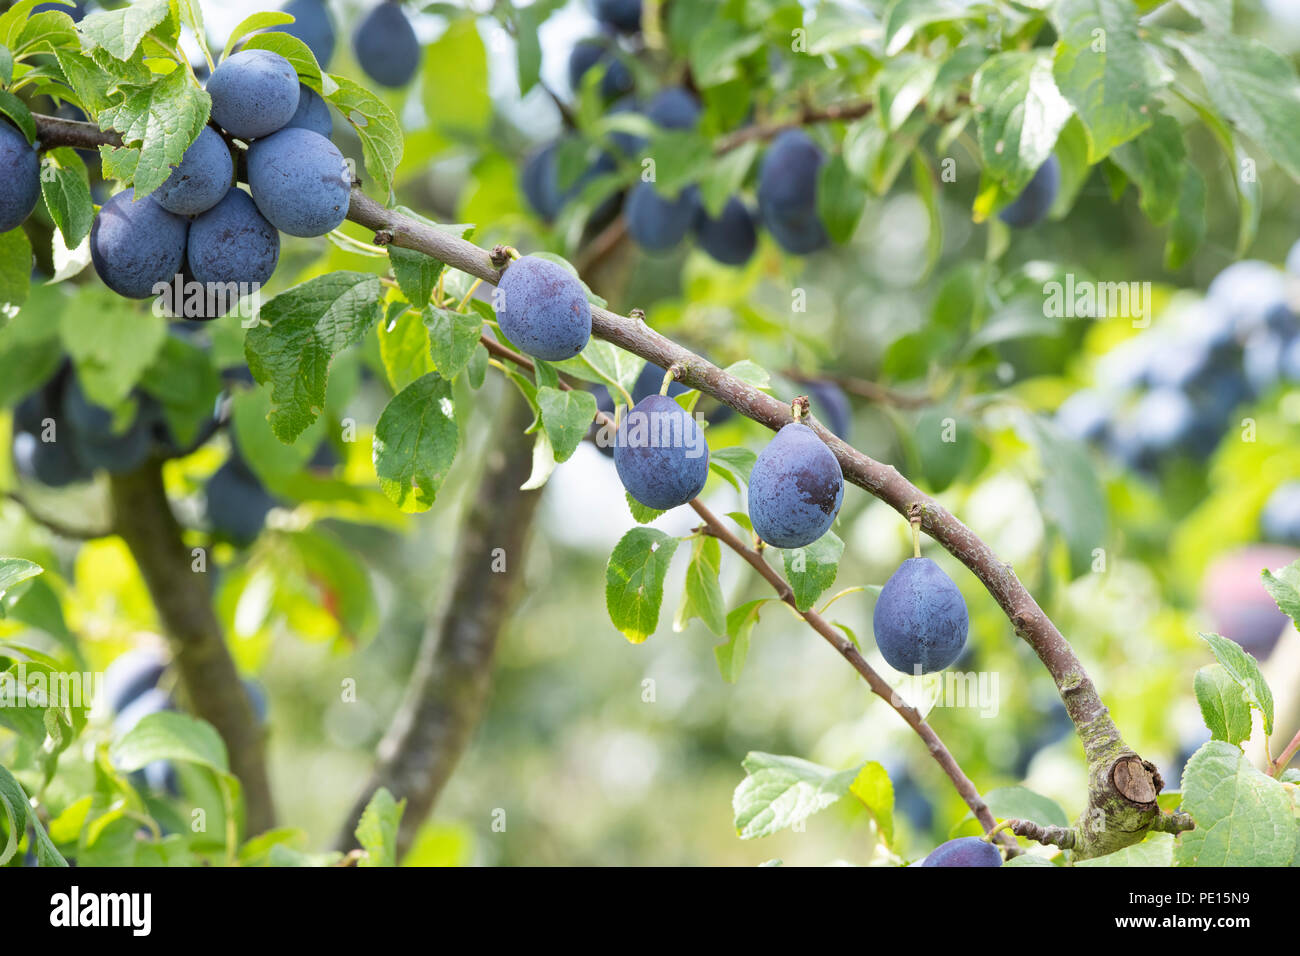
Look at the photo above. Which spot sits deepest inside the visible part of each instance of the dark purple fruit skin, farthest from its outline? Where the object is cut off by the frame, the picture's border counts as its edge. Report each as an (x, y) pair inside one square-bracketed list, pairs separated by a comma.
[(136, 245), (1032, 205), (20, 173), (233, 242), (300, 181), (655, 222), (386, 45), (831, 405), (787, 193), (201, 178), (964, 851), (311, 25), (254, 93), (731, 238), (920, 618), (623, 15), (666, 476), (543, 309), (795, 489), (313, 113)]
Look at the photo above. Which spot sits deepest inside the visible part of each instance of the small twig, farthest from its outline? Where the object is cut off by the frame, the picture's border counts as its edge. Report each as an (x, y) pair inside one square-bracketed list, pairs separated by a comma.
[(55, 525), (872, 391), (602, 245), (1062, 837), (1176, 822), (1284, 758)]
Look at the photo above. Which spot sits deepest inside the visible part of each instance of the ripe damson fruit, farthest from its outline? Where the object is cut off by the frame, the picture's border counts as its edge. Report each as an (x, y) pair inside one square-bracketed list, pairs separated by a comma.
[(654, 221), (624, 15), (131, 674), (201, 178), (312, 25), (964, 851), (732, 237), (20, 177), (1032, 205), (542, 309), (97, 444), (787, 192), (136, 245), (674, 108), (660, 453), (54, 464), (795, 488), (920, 618), (233, 242), (540, 182), (615, 77), (386, 45), (831, 405), (254, 93), (237, 503), (300, 182), (313, 113)]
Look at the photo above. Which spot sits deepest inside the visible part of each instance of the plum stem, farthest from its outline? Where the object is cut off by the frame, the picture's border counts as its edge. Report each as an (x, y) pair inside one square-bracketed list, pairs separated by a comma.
[(669, 377)]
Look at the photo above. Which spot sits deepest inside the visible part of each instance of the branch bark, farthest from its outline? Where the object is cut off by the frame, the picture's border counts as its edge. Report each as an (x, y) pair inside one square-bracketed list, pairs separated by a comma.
[(449, 688), (142, 516)]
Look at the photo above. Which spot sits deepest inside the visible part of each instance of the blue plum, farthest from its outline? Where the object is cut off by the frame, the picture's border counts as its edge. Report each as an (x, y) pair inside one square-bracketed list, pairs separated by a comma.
[(795, 489), (313, 113), (543, 309), (136, 245), (624, 15), (233, 242), (1164, 420), (1246, 292), (54, 464), (386, 45), (97, 444), (1085, 416), (1261, 360), (920, 618), (660, 453), (1280, 520), (787, 193), (313, 26), (201, 178), (964, 851), (254, 93), (237, 503), (300, 182), (540, 182), (655, 222), (131, 674), (674, 108), (1033, 204), (831, 405), (159, 775), (615, 77), (731, 238), (20, 177)]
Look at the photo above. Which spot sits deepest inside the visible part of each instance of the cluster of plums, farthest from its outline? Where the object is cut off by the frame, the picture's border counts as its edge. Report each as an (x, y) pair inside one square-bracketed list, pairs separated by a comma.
[(1172, 393), (796, 485), (132, 690), (383, 41), (202, 227), (61, 437)]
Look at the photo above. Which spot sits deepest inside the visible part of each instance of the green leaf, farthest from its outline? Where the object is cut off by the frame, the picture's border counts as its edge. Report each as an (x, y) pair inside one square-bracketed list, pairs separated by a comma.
[(1244, 669), (14, 571), (1105, 70), (111, 342), (840, 200), (1156, 850), (905, 17), (14, 108), (453, 337), (158, 122), (1284, 587), (66, 189), (1021, 803), (377, 829), (454, 81), (1215, 14), (299, 56), (737, 461), (873, 788), (566, 416), (167, 735), (634, 581), (48, 31), (902, 85), (812, 569), (15, 272), (88, 81), (927, 188), (641, 514), (415, 442), (1187, 229), (1223, 704), (1249, 191), (702, 595), (6, 65), (1254, 87), (1243, 817), (1070, 495), (19, 815), (299, 333), (740, 625), (1157, 162), (750, 372), (119, 32), (253, 23), (376, 126), (404, 346), (780, 791), (726, 176), (604, 363), (1020, 115)]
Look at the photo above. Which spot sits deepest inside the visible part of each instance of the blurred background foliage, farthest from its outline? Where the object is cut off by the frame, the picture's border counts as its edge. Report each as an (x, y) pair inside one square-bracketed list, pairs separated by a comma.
[(604, 753)]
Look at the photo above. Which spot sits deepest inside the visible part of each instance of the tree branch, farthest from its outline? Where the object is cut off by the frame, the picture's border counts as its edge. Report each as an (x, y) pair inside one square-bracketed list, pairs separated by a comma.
[(142, 516), (453, 670), (56, 526)]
